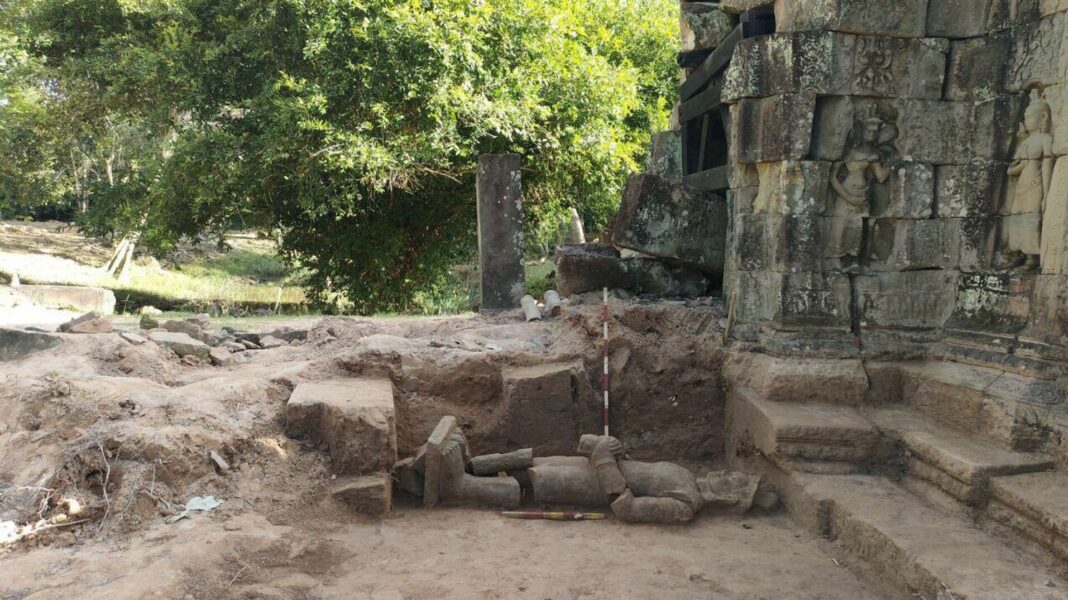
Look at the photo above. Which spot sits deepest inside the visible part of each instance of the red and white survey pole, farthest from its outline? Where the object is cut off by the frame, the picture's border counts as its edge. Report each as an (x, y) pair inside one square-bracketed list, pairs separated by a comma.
[(604, 352)]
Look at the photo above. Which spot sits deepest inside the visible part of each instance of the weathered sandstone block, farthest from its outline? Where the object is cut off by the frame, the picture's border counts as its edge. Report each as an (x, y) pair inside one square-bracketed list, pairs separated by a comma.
[(901, 18), (673, 221), (828, 63), (911, 300), (354, 418), (541, 409), (772, 129), (370, 495), (911, 244), (180, 343)]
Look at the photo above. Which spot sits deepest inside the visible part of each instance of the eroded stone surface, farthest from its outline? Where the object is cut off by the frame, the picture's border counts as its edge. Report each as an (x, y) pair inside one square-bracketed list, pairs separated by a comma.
[(541, 409), (354, 418), (673, 221)]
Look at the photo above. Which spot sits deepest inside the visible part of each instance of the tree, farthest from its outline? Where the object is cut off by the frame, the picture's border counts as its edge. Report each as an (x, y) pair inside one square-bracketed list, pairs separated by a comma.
[(351, 128)]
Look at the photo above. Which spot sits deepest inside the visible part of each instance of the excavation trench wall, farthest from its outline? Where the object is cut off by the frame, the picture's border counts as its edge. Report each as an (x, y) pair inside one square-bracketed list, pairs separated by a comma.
[(540, 385)]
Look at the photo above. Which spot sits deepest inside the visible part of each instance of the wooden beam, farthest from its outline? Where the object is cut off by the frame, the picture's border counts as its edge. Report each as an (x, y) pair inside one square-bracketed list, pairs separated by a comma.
[(702, 156), (709, 180), (692, 58), (705, 102), (716, 62)]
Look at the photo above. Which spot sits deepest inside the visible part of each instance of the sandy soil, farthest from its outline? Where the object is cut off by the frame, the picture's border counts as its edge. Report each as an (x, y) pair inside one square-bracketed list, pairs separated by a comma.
[(124, 432), (449, 553)]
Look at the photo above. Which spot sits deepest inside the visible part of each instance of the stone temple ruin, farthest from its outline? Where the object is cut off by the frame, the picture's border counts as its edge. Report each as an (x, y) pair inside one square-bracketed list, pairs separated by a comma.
[(878, 192)]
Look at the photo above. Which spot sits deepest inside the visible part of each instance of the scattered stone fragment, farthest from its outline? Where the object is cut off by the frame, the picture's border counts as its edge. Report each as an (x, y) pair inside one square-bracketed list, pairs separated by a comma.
[(94, 325), (186, 327), (151, 311), (66, 539), (233, 346), (729, 490), (408, 477), (269, 341), (369, 495), (290, 334), (219, 462), (180, 343), (147, 322), (202, 320), (89, 316), (221, 357), (251, 345), (133, 338)]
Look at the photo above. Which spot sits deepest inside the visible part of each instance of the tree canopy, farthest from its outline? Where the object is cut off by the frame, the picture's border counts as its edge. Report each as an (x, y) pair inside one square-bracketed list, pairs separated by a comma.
[(350, 129)]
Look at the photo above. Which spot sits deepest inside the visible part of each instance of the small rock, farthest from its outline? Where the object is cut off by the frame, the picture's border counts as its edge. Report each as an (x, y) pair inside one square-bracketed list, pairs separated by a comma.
[(133, 338), (66, 539), (100, 325), (203, 320), (233, 346), (181, 344), (186, 327), (732, 490), (221, 357), (219, 461), (151, 311), (250, 345), (87, 317), (192, 360), (147, 322), (268, 341)]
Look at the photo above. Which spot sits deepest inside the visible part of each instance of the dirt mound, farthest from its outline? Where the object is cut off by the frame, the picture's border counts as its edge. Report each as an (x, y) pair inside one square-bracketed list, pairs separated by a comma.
[(100, 438)]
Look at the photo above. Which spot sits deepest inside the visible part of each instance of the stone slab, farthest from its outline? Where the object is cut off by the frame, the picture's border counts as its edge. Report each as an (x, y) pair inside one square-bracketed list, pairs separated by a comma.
[(180, 343), (901, 18), (355, 418), (672, 221), (772, 129), (370, 495), (541, 408), (907, 300), (582, 268), (69, 297), (834, 64), (16, 344), (966, 458), (799, 380), (922, 549), (1039, 496)]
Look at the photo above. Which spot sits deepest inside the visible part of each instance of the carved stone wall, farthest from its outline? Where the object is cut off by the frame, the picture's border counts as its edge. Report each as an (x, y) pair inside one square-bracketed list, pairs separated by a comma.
[(900, 181)]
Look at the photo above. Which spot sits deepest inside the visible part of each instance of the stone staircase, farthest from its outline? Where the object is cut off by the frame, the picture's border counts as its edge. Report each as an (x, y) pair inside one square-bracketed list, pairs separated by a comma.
[(944, 492)]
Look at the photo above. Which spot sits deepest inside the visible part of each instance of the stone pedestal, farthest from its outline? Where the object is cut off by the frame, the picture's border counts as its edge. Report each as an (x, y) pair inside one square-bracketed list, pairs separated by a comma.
[(500, 231)]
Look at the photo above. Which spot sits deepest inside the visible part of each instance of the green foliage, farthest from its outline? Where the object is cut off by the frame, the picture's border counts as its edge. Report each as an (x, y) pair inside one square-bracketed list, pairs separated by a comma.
[(349, 128)]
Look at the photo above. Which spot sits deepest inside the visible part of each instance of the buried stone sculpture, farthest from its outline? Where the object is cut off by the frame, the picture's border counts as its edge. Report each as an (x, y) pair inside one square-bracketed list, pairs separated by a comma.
[(638, 492)]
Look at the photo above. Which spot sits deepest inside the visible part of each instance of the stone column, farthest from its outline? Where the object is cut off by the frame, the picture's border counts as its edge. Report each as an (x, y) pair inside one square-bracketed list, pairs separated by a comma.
[(500, 231)]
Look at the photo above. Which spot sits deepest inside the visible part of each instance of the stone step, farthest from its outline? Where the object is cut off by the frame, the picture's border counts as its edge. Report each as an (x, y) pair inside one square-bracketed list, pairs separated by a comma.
[(801, 434), (919, 548), (1033, 505), (990, 403), (956, 462)]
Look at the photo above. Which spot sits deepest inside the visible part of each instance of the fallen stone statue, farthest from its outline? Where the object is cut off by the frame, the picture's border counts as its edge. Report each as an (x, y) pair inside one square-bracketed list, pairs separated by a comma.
[(637, 492)]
